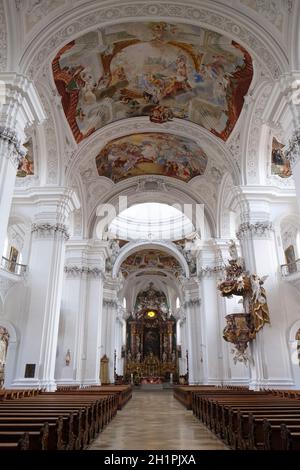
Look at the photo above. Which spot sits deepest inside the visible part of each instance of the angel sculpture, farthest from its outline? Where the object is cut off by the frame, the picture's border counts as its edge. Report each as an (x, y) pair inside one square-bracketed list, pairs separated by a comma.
[(256, 285), (259, 307)]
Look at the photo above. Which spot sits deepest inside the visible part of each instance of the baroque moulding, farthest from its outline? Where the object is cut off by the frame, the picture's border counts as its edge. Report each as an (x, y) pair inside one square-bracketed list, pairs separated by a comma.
[(5, 285), (159, 11), (255, 133), (192, 303), (293, 148), (210, 271), (200, 136), (51, 142), (110, 303), (259, 229), (46, 230), (78, 271), (15, 150), (3, 39)]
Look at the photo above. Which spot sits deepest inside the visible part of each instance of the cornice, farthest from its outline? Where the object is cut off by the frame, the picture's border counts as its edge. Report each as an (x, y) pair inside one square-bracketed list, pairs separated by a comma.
[(47, 230), (73, 271), (257, 230)]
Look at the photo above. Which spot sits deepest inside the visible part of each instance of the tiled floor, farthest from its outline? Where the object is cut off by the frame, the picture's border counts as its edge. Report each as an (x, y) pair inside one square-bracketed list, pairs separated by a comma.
[(155, 420)]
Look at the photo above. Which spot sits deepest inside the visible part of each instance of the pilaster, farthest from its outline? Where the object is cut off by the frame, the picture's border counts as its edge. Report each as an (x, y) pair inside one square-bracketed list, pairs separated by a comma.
[(270, 365), (20, 108), (39, 339)]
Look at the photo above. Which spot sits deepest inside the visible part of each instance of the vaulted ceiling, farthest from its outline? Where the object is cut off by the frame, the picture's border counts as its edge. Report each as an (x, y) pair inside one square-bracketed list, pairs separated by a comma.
[(153, 154), (156, 69)]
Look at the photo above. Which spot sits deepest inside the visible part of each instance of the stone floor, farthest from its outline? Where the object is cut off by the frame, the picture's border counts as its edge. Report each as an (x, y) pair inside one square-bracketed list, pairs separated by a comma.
[(155, 420)]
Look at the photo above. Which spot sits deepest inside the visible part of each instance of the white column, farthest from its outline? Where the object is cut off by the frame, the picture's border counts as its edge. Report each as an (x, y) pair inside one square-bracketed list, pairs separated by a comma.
[(118, 344), (109, 333), (72, 325), (183, 342), (97, 254), (84, 262), (213, 330), (92, 355), (271, 365), (110, 313), (193, 324), (39, 338), (19, 108)]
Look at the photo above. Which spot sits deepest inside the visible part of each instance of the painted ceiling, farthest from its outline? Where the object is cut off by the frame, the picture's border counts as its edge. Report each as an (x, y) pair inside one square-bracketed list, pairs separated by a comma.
[(151, 154), (152, 260), (159, 70)]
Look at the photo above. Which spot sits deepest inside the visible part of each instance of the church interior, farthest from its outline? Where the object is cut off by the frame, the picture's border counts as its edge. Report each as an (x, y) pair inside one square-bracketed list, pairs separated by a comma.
[(149, 224)]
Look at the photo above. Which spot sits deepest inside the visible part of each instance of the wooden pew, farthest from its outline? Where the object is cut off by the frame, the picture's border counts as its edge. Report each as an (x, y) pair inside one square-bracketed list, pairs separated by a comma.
[(290, 437)]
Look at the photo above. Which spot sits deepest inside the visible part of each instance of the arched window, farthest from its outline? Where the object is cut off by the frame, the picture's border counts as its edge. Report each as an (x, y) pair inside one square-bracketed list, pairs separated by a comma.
[(177, 302), (124, 302)]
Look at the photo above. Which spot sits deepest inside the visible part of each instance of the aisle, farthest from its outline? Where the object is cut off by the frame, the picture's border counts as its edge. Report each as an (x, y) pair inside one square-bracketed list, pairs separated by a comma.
[(155, 420)]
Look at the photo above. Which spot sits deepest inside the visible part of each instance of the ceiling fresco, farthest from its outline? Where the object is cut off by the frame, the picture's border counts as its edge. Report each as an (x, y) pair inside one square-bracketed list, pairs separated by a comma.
[(159, 70), (152, 260), (151, 154)]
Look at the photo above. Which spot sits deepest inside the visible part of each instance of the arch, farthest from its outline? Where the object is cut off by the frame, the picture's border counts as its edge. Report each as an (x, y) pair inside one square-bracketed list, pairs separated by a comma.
[(292, 333), (90, 147), (132, 247), (239, 26), (294, 52), (11, 330), (173, 195), (284, 217)]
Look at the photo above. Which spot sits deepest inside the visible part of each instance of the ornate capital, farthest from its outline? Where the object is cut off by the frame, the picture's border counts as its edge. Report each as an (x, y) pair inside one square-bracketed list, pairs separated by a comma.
[(47, 230), (79, 271), (210, 271), (259, 229), (292, 151), (192, 302), (14, 149), (110, 303)]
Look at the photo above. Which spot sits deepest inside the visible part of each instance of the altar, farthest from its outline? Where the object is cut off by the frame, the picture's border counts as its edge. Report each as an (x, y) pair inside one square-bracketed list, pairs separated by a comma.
[(152, 380), (151, 350)]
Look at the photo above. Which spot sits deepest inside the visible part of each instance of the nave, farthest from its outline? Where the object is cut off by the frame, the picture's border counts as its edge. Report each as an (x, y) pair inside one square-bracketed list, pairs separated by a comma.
[(155, 420)]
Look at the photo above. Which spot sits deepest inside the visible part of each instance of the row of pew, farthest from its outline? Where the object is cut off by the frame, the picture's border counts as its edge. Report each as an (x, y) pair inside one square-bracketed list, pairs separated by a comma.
[(62, 420), (245, 419)]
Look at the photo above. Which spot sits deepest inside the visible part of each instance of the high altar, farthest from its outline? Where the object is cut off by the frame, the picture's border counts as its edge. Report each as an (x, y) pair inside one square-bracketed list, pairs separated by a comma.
[(151, 340)]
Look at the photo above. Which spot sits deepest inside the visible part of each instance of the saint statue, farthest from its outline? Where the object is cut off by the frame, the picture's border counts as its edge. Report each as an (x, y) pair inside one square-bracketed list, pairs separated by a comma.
[(233, 250)]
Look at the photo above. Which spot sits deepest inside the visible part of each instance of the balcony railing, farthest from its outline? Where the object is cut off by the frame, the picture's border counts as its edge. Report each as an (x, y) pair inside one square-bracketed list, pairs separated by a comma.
[(13, 267), (291, 268)]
